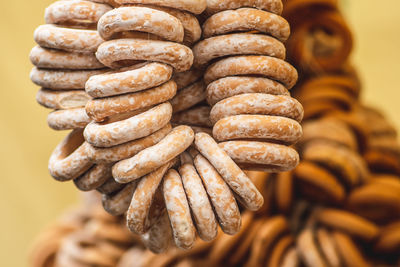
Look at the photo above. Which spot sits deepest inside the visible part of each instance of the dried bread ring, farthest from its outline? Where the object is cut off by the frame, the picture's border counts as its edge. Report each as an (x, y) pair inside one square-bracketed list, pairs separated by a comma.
[(247, 19), (240, 44), (111, 53), (178, 210), (62, 79), (141, 125), (231, 86), (221, 197), (74, 12), (117, 203), (138, 212), (69, 159), (57, 59), (94, 177), (200, 206), (263, 127), (126, 150), (257, 103), (261, 156), (232, 174), (189, 96), (151, 158), (274, 6), (64, 99), (76, 40), (268, 67), (67, 119), (132, 79), (101, 108), (193, 6), (141, 19)]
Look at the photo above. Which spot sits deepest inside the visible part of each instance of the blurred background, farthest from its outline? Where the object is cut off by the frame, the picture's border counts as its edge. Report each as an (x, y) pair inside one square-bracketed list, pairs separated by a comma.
[(30, 198)]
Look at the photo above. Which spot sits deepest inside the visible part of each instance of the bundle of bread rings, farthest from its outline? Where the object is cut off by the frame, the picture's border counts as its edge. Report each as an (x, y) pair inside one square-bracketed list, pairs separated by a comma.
[(247, 85)]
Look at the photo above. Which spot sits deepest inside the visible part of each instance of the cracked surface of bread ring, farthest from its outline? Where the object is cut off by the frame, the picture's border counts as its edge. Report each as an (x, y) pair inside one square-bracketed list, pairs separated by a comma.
[(193, 6)]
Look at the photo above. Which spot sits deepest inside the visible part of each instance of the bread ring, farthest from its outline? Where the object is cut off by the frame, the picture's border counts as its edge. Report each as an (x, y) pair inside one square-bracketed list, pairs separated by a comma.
[(117, 203), (58, 59), (265, 127), (110, 186), (112, 3), (141, 125), (126, 150), (186, 78), (200, 206), (154, 157), (247, 19), (257, 103), (69, 159), (62, 99), (74, 12), (189, 96), (198, 116), (193, 6), (221, 197), (138, 212), (232, 174), (77, 40), (102, 108), (268, 67), (111, 53), (178, 210), (62, 79), (308, 249), (261, 156), (67, 119), (94, 177), (131, 80), (141, 19), (214, 6), (240, 44), (230, 86), (349, 223)]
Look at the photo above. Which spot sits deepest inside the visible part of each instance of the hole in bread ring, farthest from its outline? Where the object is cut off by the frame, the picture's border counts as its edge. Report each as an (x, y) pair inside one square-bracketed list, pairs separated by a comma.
[(237, 44), (274, 6), (67, 119), (77, 40), (269, 67), (69, 159), (193, 6), (247, 19), (64, 99), (135, 127), (261, 156)]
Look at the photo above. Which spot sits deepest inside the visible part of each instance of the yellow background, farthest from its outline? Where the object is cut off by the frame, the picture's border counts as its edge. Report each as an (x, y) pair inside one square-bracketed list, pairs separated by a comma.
[(29, 198)]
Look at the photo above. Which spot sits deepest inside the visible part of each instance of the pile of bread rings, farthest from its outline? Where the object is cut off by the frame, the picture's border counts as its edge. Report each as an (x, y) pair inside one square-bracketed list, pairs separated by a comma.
[(182, 120)]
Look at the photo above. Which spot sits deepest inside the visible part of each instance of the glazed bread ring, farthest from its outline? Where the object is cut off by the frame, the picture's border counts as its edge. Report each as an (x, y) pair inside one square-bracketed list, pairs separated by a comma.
[(111, 53), (67, 119), (247, 19), (74, 12), (232, 174), (62, 79), (202, 212), (214, 6), (117, 203), (262, 127), (65, 99), (241, 44), (257, 103), (261, 156), (132, 79), (76, 40), (221, 197), (126, 150), (142, 19), (69, 159), (94, 177), (151, 158), (189, 96), (193, 6), (268, 67), (141, 125), (101, 108), (58, 59), (178, 210), (230, 86)]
